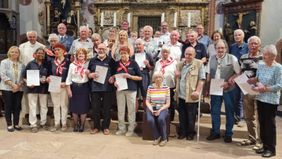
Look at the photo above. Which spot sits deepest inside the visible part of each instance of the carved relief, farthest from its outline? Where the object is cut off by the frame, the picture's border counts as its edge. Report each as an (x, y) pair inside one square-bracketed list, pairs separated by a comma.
[(108, 17)]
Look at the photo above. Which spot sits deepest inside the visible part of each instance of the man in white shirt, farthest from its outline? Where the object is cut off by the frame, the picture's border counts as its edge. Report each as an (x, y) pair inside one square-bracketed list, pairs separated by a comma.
[(27, 49), (174, 46), (165, 35)]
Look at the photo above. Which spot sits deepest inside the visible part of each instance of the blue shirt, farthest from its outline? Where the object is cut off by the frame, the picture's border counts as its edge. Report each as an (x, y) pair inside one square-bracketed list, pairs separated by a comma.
[(238, 51), (272, 78)]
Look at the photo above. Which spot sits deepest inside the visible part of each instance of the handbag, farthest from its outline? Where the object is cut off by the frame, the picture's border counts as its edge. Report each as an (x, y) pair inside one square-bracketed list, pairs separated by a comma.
[(205, 106)]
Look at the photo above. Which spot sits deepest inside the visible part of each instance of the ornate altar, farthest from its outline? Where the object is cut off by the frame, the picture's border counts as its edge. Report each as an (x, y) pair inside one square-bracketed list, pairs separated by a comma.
[(179, 14), (242, 14)]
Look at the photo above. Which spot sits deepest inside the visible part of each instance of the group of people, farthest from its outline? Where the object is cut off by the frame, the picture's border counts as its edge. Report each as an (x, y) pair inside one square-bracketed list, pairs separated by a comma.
[(164, 71)]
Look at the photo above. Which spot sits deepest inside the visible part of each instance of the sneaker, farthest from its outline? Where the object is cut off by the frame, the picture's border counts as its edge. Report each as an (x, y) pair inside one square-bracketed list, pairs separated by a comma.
[(18, 128), (129, 133), (45, 127), (10, 128), (106, 131), (157, 141), (55, 128), (34, 130), (163, 143), (240, 124), (120, 132), (257, 147), (64, 128), (94, 131)]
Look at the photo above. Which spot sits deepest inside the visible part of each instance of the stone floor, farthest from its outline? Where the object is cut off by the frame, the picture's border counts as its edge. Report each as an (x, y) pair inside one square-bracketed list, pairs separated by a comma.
[(69, 145)]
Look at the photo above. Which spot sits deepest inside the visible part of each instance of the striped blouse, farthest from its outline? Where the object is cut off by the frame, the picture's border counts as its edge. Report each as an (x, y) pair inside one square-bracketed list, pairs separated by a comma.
[(158, 95)]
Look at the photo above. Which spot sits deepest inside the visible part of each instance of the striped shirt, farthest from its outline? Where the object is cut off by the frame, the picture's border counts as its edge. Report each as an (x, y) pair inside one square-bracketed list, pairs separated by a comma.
[(158, 95)]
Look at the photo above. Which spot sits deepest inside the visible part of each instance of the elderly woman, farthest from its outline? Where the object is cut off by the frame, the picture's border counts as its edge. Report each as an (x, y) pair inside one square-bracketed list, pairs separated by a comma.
[(128, 69), (223, 66), (151, 45), (268, 82), (96, 39), (53, 39), (11, 87), (122, 41), (190, 81), (59, 67), (158, 101), (78, 89), (35, 93), (216, 35), (167, 66)]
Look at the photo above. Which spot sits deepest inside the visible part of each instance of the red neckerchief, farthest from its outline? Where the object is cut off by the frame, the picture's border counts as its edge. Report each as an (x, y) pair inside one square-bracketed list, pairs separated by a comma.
[(79, 67), (123, 66), (49, 52), (166, 63), (60, 66)]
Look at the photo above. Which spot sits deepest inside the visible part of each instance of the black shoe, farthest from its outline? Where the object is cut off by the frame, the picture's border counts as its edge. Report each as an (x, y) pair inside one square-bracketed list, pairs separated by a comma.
[(76, 128), (181, 137), (260, 151), (267, 154), (81, 128), (190, 137), (213, 137), (18, 128), (10, 129), (227, 139)]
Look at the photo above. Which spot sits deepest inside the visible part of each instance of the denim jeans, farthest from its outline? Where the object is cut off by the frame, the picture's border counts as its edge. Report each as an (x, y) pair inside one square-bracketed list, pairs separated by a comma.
[(216, 102)]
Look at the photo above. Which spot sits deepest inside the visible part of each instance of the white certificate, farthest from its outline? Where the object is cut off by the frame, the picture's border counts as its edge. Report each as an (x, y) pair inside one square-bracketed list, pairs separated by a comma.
[(245, 87), (32, 78), (216, 87), (121, 82), (140, 58), (102, 74), (55, 84)]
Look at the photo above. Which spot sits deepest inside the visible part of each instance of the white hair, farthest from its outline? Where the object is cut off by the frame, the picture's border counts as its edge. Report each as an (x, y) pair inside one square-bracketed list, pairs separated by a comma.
[(139, 40), (31, 32), (83, 27), (256, 38), (53, 36), (271, 49), (239, 31)]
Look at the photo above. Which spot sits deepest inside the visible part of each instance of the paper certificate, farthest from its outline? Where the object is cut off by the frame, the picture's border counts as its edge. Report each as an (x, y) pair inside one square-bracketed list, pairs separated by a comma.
[(32, 78), (102, 74), (245, 87), (55, 84), (140, 58), (216, 87), (121, 82)]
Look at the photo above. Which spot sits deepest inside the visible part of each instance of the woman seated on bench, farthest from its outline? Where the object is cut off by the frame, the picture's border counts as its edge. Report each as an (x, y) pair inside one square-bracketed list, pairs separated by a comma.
[(158, 102)]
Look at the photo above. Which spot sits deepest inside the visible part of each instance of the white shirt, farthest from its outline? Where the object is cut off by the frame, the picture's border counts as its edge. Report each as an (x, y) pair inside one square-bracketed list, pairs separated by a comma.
[(169, 73), (27, 49), (165, 38), (76, 77), (175, 50)]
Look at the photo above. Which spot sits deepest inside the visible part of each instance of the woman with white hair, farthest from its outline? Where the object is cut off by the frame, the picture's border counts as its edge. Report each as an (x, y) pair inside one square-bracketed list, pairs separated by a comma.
[(158, 102), (167, 66), (268, 82), (53, 39)]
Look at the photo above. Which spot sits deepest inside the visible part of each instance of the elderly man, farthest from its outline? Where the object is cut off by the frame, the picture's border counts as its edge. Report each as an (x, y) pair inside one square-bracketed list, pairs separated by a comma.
[(249, 64), (64, 38), (164, 38), (101, 93), (201, 52), (202, 38), (189, 84), (238, 49), (82, 42), (27, 49), (175, 46), (223, 66), (151, 46)]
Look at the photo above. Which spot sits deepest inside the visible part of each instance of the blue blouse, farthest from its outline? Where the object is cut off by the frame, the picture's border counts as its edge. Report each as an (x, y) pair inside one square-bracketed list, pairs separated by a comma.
[(272, 78)]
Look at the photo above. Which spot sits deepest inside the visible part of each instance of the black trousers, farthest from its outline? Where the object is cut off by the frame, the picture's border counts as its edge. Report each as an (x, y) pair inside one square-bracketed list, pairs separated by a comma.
[(266, 116), (101, 101), (12, 102), (172, 104), (187, 117)]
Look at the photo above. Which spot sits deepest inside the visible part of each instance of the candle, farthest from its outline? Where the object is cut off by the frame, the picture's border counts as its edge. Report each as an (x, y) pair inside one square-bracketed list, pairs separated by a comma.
[(102, 19), (115, 19), (220, 30), (175, 19), (189, 20), (163, 17), (129, 19)]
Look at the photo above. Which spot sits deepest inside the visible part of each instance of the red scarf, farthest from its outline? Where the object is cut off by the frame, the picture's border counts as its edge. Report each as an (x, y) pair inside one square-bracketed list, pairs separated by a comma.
[(123, 66), (165, 63), (60, 67), (79, 67)]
